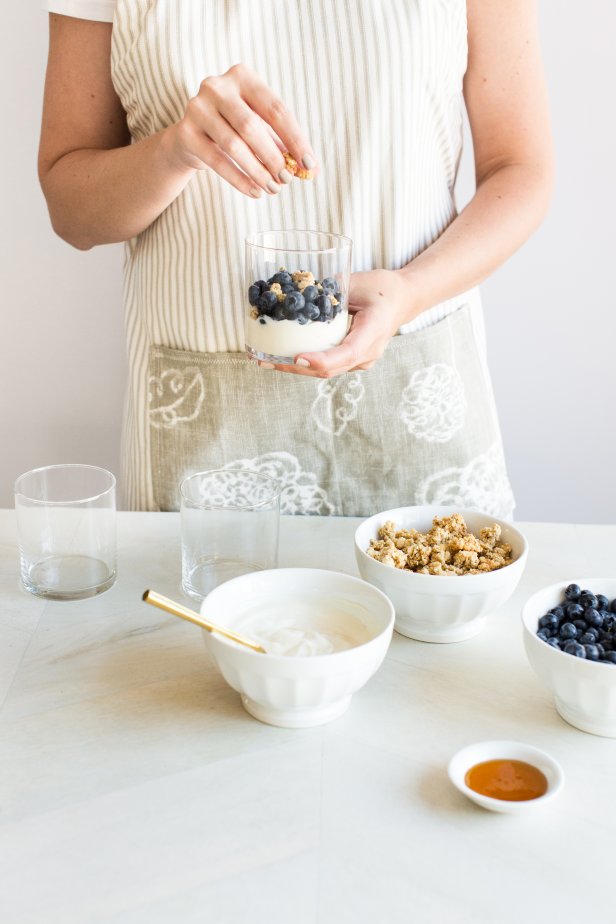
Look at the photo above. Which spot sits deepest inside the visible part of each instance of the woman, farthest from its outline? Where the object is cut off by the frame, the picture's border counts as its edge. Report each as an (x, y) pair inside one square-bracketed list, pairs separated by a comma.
[(373, 100)]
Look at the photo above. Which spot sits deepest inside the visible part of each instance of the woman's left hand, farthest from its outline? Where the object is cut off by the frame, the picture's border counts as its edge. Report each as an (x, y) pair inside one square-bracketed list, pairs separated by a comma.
[(379, 302)]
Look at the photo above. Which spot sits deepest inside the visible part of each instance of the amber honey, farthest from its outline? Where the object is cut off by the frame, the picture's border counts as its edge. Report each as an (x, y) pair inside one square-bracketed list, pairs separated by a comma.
[(511, 780)]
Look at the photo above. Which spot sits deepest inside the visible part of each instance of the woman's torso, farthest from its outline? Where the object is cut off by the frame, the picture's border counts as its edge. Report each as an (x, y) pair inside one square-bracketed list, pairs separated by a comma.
[(377, 87), (378, 90)]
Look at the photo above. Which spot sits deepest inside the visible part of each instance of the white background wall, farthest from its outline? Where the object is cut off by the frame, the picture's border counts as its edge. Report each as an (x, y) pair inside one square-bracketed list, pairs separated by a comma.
[(551, 311)]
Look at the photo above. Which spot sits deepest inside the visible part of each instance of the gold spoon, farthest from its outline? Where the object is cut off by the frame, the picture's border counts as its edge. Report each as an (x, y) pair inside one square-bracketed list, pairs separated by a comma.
[(176, 609)]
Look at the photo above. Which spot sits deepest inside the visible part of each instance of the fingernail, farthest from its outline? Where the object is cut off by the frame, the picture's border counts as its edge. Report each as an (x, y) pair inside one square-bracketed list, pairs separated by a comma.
[(284, 176), (302, 362), (273, 187), (267, 365), (256, 193), (309, 162)]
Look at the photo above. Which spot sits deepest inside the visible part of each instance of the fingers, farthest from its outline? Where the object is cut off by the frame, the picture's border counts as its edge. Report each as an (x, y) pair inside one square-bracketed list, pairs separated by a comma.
[(250, 125), (361, 348), (259, 141), (212, 156), (274, 112), (208, 126)]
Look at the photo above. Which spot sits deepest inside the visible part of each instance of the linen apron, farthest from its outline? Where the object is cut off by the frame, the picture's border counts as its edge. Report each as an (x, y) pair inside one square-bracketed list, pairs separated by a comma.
[(378, 89)]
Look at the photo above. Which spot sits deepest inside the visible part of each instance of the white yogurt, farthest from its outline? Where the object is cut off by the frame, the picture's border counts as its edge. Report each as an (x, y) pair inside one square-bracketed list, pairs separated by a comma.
[(305, 628), (286, 339)]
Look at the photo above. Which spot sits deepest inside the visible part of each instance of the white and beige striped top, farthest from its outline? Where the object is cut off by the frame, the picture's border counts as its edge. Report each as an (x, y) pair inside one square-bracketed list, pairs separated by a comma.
[(377, 86)]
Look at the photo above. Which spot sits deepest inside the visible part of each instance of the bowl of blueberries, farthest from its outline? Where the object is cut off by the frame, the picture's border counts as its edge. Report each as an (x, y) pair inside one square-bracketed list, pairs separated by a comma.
[(570, 641)]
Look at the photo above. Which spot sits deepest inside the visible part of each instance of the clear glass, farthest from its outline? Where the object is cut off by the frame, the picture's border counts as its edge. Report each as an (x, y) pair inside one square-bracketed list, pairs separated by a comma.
[(66, 530), (229, 522), (286, 313)]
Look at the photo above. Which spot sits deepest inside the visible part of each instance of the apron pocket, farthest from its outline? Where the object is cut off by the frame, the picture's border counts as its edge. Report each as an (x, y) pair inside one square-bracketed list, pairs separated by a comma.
[(417, 428)]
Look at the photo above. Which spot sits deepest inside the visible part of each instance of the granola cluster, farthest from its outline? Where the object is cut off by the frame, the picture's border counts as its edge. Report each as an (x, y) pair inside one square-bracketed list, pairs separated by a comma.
[(294, 168), (447, 548)]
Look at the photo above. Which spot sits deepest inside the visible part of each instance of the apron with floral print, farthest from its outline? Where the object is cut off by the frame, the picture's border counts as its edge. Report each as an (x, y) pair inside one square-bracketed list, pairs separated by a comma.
[(378, 90)]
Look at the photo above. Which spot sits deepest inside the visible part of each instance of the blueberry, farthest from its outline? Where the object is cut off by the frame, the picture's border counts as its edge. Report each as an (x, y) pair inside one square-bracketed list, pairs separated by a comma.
[(254, 292), (267, 302), (575, 649), (588, 599), (283, 278), (592, 652), (293, 304), (613, 606), (572, 592), (609, 657), (558, 611), (593, 618), (602, 602), (302, 318), (607, 644), (262, 285), (311, 293), (574, 611), (608, 620), (543, 634), (568, 631), (581, 625), (588, 638), (549, 621), (287, 289), (554, 642), (329, 284), (324, 304), (310, 311), (601, 649)]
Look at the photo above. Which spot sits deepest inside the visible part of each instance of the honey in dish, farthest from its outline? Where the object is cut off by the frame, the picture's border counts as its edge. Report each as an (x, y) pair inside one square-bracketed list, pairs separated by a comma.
[(511, 780)]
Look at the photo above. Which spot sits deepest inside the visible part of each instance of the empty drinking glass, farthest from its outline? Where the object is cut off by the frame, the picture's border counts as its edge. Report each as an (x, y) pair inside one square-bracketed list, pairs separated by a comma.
[(66, 531), (229, 527)]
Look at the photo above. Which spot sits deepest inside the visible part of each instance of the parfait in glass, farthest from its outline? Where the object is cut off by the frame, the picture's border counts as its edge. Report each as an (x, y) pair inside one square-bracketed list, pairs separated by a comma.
[(297, 292)]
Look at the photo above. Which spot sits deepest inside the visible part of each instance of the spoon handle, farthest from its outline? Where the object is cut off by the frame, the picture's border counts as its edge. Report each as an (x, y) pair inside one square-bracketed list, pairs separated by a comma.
[(176, 609)]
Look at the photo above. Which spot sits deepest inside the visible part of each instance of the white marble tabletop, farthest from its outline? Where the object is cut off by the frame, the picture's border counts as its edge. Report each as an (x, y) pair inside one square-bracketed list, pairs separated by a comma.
[(134, 789)]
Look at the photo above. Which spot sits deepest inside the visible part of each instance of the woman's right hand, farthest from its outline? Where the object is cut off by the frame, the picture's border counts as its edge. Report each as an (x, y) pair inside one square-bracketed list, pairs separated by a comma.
[(238, 127)]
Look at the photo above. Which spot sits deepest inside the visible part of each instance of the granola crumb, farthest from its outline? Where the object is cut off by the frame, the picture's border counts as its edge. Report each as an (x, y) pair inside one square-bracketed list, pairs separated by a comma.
[(277, 290), (294, 168), (302, 278)]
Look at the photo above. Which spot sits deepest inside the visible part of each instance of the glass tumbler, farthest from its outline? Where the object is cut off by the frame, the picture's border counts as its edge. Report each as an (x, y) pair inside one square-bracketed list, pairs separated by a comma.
[(297, 293), (66, 530), (229, 521)]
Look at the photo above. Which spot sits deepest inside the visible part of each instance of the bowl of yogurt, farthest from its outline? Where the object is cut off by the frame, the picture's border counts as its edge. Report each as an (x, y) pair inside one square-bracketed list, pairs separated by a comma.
[(297, 287), (325, 634)]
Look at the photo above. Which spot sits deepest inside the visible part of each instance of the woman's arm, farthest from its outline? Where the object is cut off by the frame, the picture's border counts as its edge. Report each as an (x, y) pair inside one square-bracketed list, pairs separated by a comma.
[(100, 188), (506, 100)]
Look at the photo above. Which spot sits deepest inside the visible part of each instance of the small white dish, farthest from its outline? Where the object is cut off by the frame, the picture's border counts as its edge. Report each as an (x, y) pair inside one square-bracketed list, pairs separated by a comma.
[(473, 754)]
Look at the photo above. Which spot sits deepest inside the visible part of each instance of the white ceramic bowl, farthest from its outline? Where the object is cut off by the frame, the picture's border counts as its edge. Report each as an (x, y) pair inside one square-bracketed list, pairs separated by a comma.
[(462, 762), (435, 608), (296, 692), (584, 691)]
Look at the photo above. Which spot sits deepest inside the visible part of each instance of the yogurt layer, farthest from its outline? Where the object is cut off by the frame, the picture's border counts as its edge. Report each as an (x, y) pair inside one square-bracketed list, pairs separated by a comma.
[(299, 629), (288, 338)]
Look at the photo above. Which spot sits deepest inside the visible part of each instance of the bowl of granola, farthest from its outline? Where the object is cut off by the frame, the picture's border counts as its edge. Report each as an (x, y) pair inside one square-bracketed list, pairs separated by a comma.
[(444, 569)]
